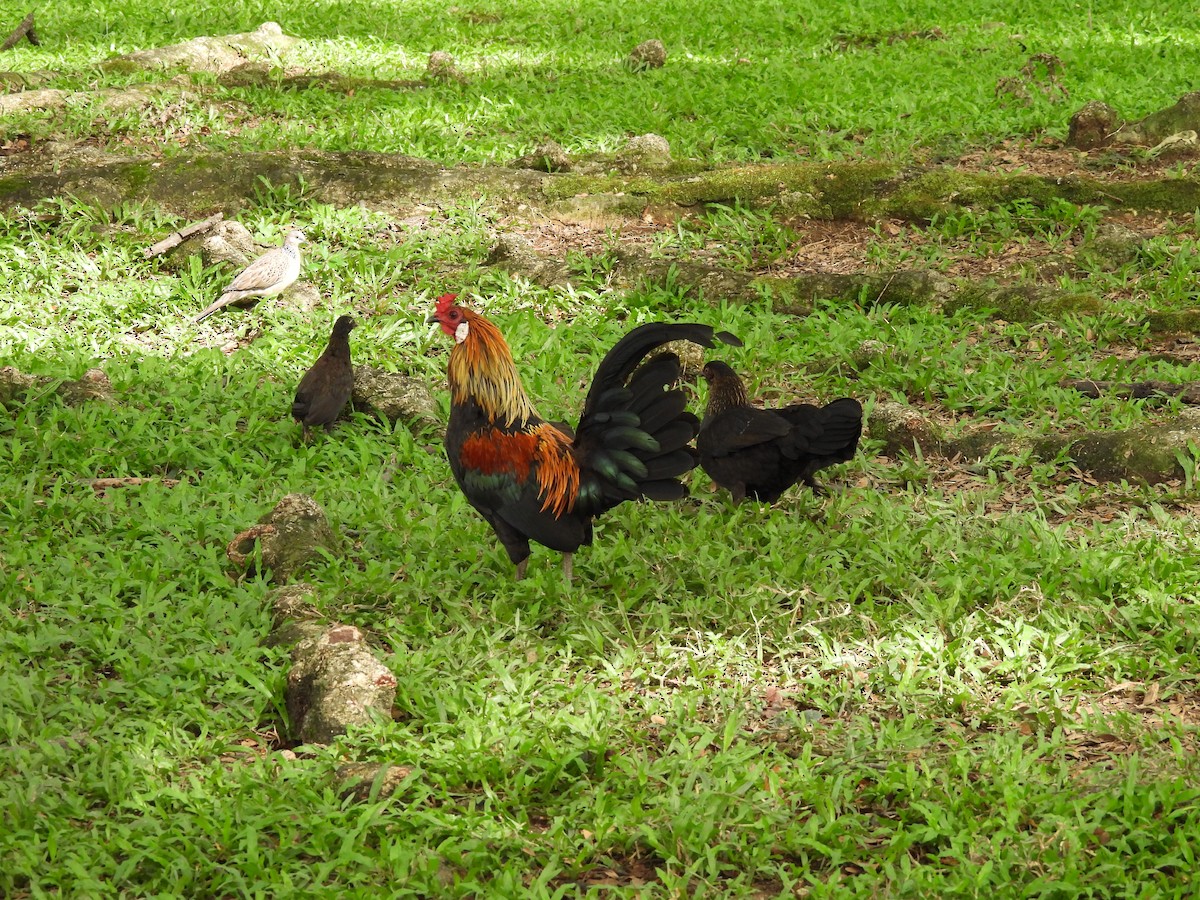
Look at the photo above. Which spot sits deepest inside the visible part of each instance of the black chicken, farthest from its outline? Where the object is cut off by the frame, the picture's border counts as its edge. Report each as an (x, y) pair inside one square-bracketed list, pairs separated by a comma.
[(326, 387), (760, 453)]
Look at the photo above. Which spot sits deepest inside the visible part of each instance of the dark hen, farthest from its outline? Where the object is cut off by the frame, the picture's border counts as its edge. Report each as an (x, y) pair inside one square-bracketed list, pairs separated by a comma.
[(326, 387), (760, 453)]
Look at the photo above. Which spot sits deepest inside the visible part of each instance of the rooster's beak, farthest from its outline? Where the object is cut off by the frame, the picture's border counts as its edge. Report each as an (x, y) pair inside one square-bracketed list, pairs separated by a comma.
[(431, 318)]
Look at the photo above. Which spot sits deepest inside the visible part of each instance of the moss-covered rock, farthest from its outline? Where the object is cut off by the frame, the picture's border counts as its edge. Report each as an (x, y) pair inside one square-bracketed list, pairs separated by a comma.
[(1092, 126), (902, 429), (335, 683), (1112, 246), (1174, 321), (1147, 453), (396, 397), (258, 74), (714, 283), (293, 537), (546, 157), (208, 182), (11, 82), (515, 254), (649, 54), (200, 183), (443, 67), (645, 153)]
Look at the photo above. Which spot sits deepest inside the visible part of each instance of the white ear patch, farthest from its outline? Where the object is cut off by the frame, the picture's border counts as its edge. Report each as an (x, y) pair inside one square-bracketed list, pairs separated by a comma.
[(460, 333)]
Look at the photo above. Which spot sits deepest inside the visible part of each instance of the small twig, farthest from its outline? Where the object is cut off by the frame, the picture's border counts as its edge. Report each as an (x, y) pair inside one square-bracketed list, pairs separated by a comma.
[(178, 237), (883, 290), (24, 30)]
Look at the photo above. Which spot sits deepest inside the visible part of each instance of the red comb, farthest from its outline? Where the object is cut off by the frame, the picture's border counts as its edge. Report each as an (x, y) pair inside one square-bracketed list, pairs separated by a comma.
[(445, 301)]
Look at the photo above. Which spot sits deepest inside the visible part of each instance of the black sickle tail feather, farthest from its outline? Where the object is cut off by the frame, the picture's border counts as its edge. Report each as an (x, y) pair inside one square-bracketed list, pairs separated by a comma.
[(634, 436), (630, 350)]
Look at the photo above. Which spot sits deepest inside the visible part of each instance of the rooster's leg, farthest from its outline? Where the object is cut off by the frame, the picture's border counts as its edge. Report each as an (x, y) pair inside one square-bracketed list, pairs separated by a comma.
[(521, 569), (567, 567)]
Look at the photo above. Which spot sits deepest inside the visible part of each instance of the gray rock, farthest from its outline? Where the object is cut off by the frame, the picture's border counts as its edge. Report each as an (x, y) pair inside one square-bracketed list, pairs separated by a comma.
[(396, 398), (1112, 246), (293, 536), (691, 356), (227, 242), (868, 353), (304, 295), (515, 249), (647, 55), (335, 683), (515, 254)]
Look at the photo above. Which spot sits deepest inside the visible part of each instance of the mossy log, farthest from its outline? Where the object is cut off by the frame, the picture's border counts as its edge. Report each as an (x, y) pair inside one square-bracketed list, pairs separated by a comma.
[(862, 191), (1153, 390), (794, 295), (1023, 302), (200, 183), (1150, 453), (797, 294)]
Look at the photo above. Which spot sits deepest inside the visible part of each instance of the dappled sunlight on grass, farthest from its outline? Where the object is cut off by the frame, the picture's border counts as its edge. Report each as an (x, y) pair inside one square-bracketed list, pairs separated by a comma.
[(951, 676)]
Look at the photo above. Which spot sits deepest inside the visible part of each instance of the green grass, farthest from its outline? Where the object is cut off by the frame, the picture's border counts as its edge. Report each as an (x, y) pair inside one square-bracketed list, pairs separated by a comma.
[(768, 79), (901, 689), (941, 681)]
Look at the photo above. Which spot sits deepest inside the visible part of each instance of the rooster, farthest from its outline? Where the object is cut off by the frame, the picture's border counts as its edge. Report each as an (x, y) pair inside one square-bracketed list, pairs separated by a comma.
[(534, 480), (762, 452)]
